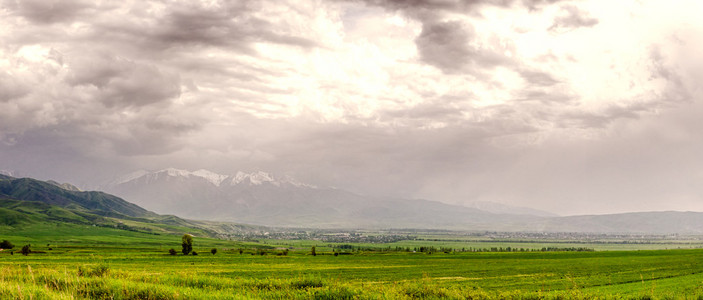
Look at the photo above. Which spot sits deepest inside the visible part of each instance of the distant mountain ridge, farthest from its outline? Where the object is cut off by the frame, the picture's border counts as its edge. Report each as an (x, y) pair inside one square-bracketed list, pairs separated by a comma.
[(253, 178), (276, 203), (266, 199)]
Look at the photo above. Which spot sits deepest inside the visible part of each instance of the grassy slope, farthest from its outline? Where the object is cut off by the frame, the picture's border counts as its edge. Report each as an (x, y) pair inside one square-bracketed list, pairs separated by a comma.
[(41, 191)]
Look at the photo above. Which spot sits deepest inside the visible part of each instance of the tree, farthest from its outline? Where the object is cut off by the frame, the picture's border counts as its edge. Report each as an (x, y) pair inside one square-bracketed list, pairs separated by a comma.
[(313, 251), (187, 244), (25, 250), (172, 251), (213, 251), (5, 244)]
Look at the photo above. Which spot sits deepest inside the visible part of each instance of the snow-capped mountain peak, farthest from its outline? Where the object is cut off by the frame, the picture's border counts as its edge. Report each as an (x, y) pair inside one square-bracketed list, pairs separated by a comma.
[(260, 177), (212, 177), (175, 172), (254, 178)]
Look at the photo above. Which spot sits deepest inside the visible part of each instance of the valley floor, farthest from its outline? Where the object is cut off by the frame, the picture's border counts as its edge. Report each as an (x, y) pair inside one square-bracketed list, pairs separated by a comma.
[(72, 261), (125, 273)]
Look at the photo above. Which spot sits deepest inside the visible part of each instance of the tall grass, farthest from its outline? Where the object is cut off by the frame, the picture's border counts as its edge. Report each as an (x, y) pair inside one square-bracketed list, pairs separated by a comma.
[(101, 282)]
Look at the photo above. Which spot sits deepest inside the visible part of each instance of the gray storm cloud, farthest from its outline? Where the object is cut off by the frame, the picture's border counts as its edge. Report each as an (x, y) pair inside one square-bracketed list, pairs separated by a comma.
[(572, 17), (446, 45), (550, 104)]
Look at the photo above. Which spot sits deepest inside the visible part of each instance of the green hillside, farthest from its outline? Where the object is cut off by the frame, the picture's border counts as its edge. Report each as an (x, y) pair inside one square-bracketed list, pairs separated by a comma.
[(31, 203), (41, 191)]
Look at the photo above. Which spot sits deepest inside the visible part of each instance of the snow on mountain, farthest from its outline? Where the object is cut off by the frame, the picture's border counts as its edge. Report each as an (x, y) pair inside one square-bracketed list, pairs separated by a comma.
[(212, 177), (254, 178), (260, 177)]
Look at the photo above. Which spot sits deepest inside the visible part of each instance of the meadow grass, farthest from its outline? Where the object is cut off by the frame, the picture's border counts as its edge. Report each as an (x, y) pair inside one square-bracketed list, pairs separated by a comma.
[(138, 274), (87, 262)]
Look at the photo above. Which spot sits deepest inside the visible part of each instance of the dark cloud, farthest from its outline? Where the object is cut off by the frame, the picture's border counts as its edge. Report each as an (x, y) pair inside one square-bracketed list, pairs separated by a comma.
[(452, 45), (231, 25), (416, 7), (50, 11), (572, 17), (538, 78), (448, 46), (444, 45), (121, 82)]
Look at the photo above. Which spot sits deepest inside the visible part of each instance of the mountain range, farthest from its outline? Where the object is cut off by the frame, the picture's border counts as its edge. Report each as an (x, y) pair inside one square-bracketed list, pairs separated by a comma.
[(264, 199)]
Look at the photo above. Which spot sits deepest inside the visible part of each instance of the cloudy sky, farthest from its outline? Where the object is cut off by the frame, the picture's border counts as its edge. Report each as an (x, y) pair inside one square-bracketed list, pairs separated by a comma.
[(567, 106)]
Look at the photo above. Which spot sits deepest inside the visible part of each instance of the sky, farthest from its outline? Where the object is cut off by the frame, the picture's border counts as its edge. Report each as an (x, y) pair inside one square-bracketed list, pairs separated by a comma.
[(574, 107)]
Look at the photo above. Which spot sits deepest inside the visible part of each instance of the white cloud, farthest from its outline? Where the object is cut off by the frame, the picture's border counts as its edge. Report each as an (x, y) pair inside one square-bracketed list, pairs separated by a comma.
[(426, 95)]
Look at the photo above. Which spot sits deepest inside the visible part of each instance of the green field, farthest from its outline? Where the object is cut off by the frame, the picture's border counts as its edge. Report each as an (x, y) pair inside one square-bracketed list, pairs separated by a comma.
[(96, 262)]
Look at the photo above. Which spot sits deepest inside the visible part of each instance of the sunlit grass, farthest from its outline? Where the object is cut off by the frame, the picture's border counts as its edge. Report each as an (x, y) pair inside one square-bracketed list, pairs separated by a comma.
[(135, 274)]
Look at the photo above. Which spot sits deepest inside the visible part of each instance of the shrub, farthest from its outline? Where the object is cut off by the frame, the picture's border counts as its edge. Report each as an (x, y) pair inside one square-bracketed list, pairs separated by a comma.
[(187, 244), (195, 253), (5, 244), (213, 251), (25, 250), (172, 251)]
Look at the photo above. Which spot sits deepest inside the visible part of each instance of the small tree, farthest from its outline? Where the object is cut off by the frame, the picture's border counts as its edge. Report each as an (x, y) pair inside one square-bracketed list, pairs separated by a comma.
[(213, 251), (187, 244), (25, 250), (313, 251), (172, 251), (5, 244)]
